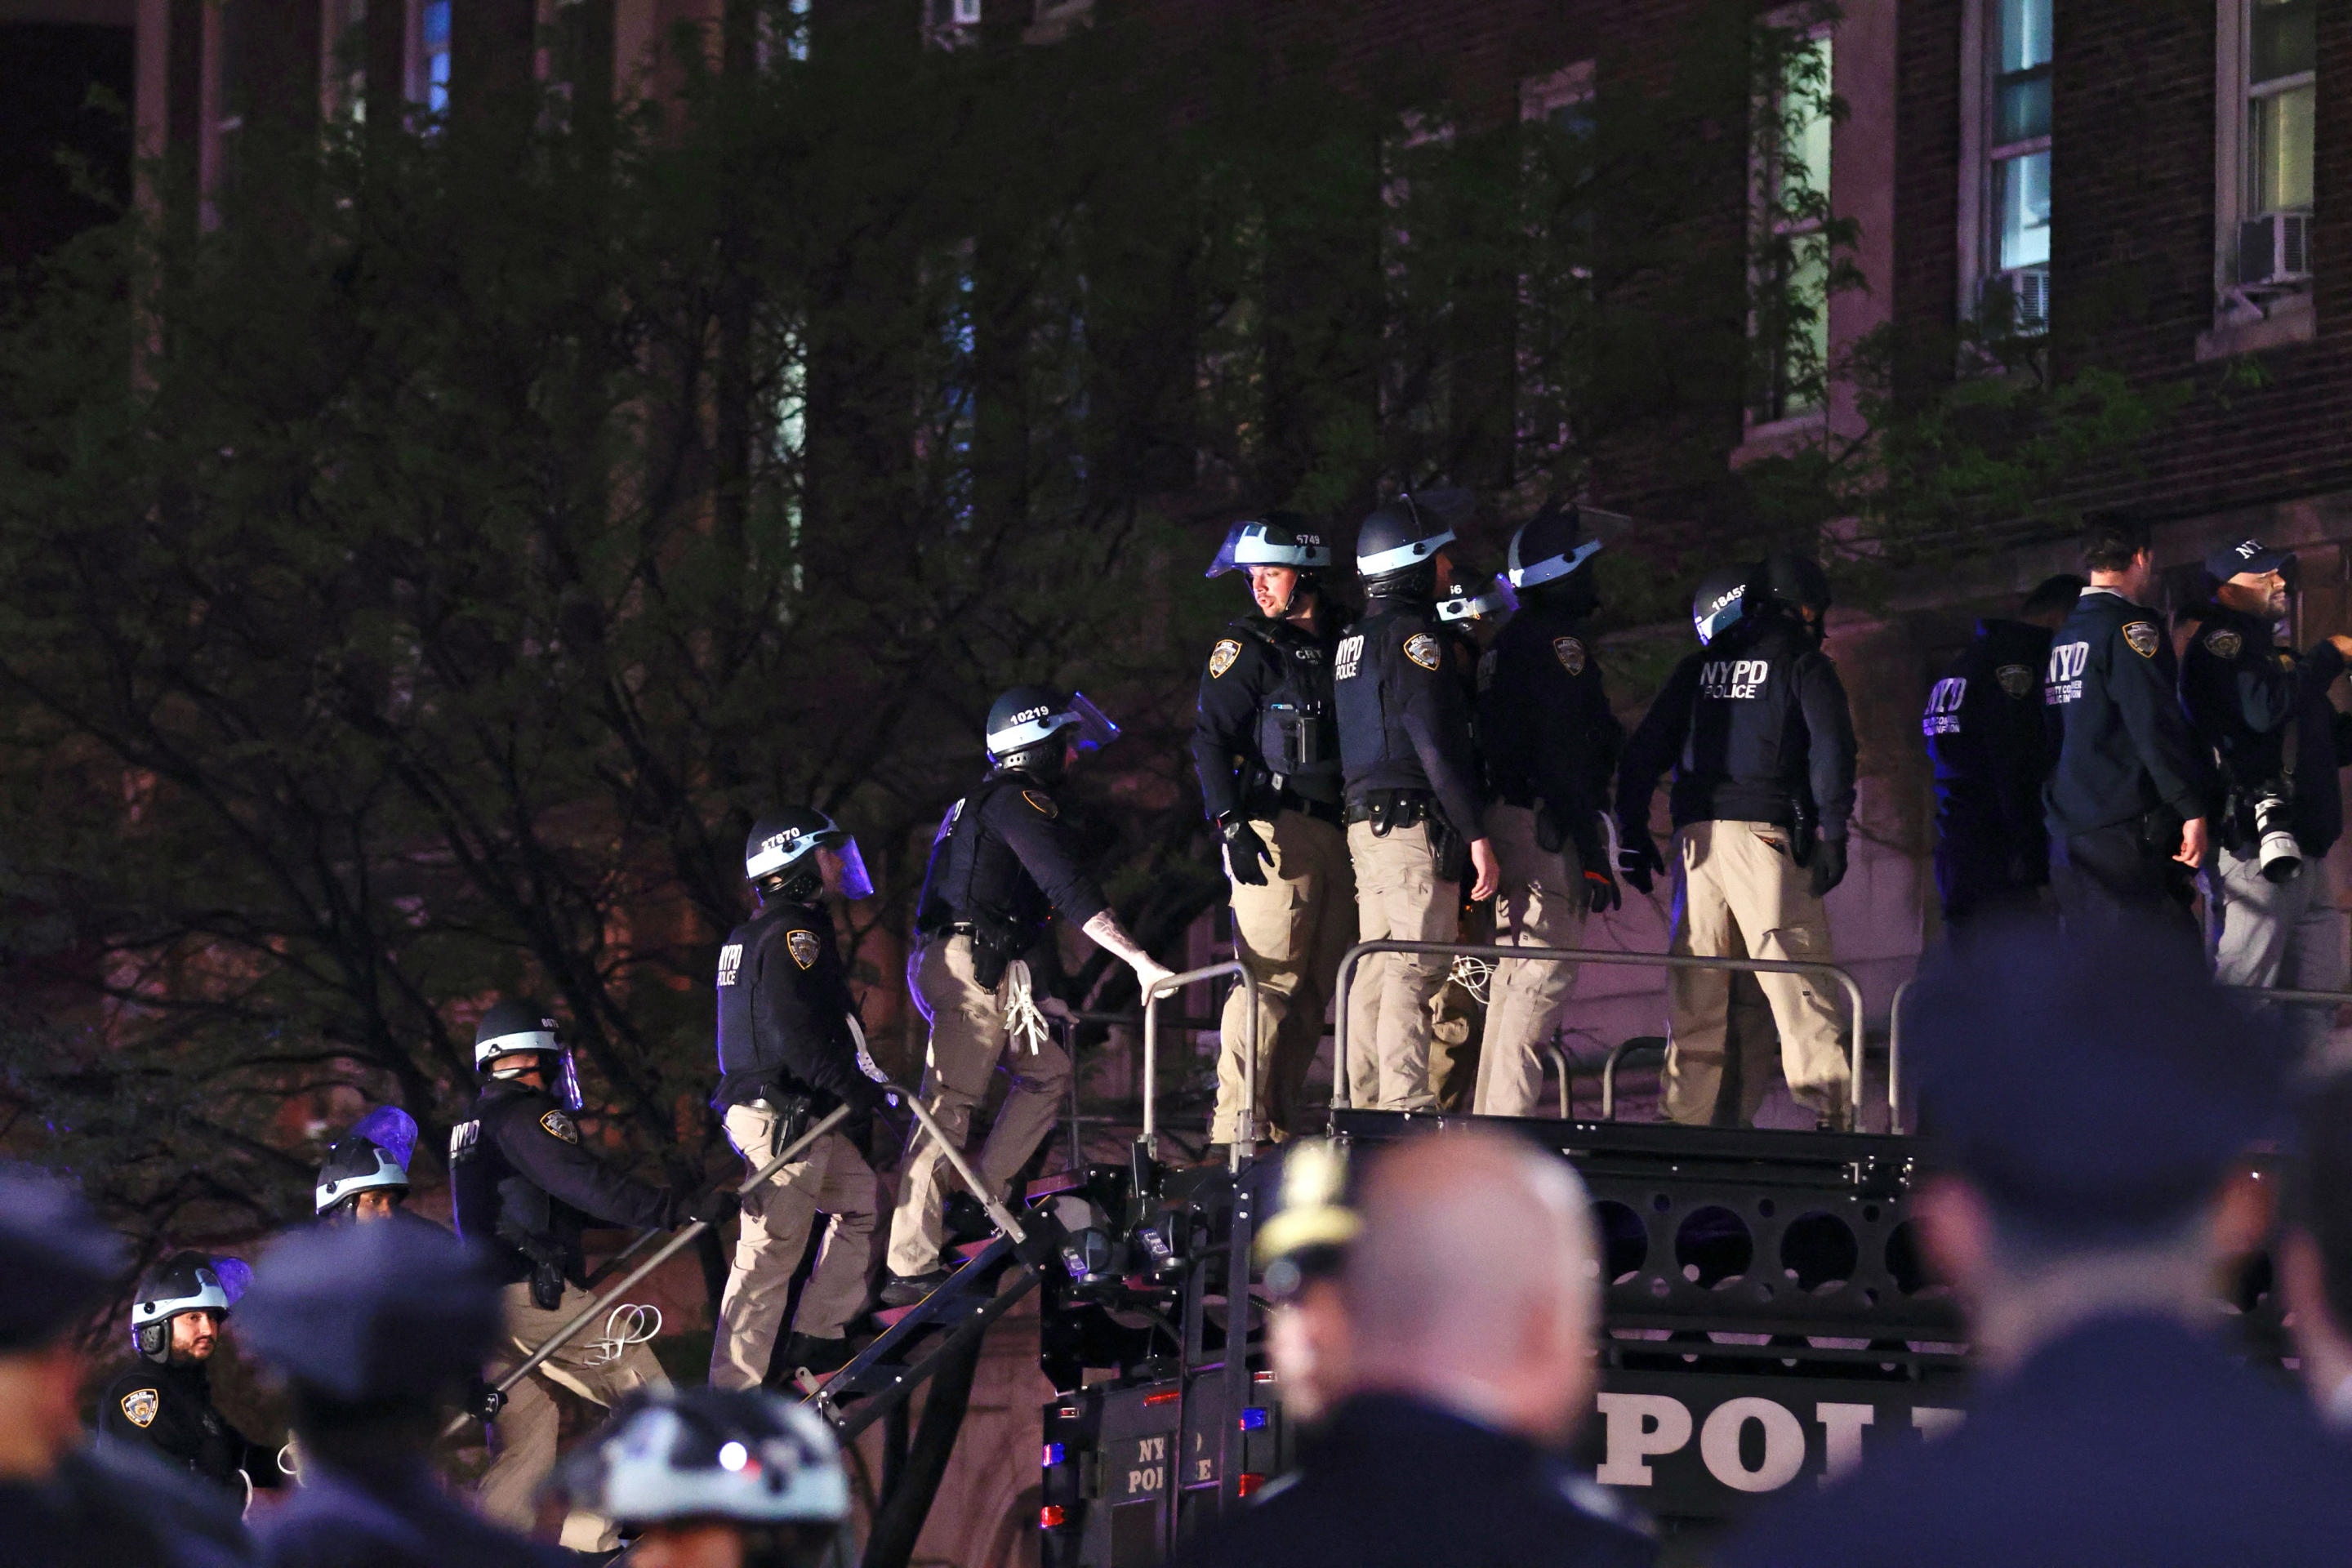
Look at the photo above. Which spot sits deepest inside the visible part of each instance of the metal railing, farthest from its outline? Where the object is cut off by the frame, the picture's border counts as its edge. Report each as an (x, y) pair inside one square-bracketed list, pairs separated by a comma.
[(1362, 950), (1617, 1056), (1245, 1143)]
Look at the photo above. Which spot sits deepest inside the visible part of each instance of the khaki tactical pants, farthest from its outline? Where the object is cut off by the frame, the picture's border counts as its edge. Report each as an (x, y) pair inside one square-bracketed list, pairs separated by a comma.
[(1291, 933), (1539, 904), (968, 1037), (1457, 1021), (525, 1428), (1399, 896), (1742, 896), (832, 1180)]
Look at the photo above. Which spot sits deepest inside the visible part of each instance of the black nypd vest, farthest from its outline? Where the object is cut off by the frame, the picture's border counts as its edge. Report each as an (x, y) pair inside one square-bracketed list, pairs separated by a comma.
[(1297, 729), (512, 1219), (1747, 753), (974, 875)]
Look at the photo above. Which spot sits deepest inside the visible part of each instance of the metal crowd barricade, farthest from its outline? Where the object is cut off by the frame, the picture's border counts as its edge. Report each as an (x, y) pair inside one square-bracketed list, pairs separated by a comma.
[(1362, 950), (1245, 1145)]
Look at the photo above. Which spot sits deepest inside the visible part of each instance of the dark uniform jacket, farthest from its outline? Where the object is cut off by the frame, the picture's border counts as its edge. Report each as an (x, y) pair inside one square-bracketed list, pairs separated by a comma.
[(1006, 855), (2125, 750), (1756, 727), (524, 1188), (170, 1410), (785, 1008), (1404, 714), (1267, 730), (1544, 724), (2246, 698), (1990, 745), (397, 1518), (2130, 1440), (1396, 1483), (113, 1506)]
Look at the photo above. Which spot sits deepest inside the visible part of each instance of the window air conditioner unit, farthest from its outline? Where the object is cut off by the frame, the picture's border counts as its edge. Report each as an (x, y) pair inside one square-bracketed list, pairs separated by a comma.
[(2029, 290), (2275, 248)]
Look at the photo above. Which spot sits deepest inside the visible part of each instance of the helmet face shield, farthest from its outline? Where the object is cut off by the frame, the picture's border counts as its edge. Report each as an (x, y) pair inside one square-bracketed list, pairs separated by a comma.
[(1095, 730), (1461, 605), (566, 1087), (855, 881)]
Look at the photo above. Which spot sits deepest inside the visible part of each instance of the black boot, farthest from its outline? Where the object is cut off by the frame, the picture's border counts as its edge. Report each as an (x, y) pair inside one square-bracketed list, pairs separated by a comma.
[(809, 1353)]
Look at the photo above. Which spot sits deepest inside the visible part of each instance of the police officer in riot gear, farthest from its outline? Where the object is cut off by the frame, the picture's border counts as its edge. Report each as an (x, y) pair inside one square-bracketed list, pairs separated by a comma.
[(790, 1049), (165, 1400), (1412, 779), (377, 1331), (1266, 746), (707, 1477), (1003, 863), (1990, 750), (1756, 729), (2270, 910), (1552, 747), (365, 1175), (2126, 802), (65, 1502), (524, 1188)]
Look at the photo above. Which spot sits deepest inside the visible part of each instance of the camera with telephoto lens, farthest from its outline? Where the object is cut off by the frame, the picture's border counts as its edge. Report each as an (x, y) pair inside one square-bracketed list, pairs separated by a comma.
[(2274, 846)]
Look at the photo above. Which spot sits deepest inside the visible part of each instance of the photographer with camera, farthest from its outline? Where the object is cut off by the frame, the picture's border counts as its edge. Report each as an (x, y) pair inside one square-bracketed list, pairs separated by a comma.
[(2270, 912)]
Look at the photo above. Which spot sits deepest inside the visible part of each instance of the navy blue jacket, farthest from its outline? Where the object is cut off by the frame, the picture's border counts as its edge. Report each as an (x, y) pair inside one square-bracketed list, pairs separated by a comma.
[(1006, 853), (2124, 749), (1267, 712), (111, 1505), (1405, 710), (2245, 697), (1989, 745), (2130, 1440), (1752, 724), (784, 1008), (1395, 1483), (524, 1187), (399, 1518), (1544, 721), (169, 1409)]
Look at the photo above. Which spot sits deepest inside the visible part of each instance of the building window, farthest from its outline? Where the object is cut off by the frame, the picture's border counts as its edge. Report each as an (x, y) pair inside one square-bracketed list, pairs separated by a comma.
[(2268, 58), (1791, 183), (2006, 53), (432, 85)]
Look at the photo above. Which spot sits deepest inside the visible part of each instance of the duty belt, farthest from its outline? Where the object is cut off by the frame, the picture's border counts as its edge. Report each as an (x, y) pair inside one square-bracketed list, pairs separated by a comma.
[(1402, 807), (1321, 810)]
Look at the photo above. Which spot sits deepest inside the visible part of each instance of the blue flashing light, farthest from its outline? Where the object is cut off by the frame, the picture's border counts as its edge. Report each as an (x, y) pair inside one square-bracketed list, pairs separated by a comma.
[(1053, 1454), (1253, 1419)]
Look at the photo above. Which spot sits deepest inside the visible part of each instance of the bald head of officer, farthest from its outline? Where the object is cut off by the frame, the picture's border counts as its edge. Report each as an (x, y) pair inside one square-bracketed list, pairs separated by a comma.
[(1474, 1285), (1462, 1356)]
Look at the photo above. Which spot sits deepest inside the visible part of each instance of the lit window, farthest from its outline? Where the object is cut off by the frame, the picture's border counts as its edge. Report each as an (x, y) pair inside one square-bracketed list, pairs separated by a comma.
[(1793, 164), (2019, 154)]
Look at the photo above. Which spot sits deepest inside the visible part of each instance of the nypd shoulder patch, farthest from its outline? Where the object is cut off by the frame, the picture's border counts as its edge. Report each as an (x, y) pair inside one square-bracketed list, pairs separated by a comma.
[(2143, 638), (1222, 657), (2017, 679), (2224, 643), (139, 1406), (1422, 649), (1044, 802), (802, 946), (558, 1125), (1571, 654)]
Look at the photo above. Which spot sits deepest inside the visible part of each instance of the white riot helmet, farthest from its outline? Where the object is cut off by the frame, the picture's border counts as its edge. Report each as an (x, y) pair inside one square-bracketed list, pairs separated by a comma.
[(740, 1457)]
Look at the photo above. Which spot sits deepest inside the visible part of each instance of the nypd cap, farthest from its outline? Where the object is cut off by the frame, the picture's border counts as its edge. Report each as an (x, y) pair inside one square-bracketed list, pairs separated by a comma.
[(2246, 555), (371, 1312), (57, 1260)]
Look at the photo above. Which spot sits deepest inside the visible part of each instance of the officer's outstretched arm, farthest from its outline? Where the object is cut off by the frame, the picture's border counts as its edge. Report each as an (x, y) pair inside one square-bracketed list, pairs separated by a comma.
[(547, 1150), (1110, 936)]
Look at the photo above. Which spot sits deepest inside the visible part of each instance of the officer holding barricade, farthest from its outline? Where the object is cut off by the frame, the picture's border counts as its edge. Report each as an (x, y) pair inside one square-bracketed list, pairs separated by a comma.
[(1989, 745), (1266, 747), (791, 1048), (1551, 745), (1755, 728), (2277, 742), (2127, 800), (1003, 863), (1414, 830), (524, 1188)]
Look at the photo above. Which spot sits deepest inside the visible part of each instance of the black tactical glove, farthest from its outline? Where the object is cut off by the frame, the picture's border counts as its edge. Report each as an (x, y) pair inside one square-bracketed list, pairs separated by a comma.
[(1828, 866), (483, 1402), (1244, 850), (713, 1208), (1638, 858), (1600, 894)]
